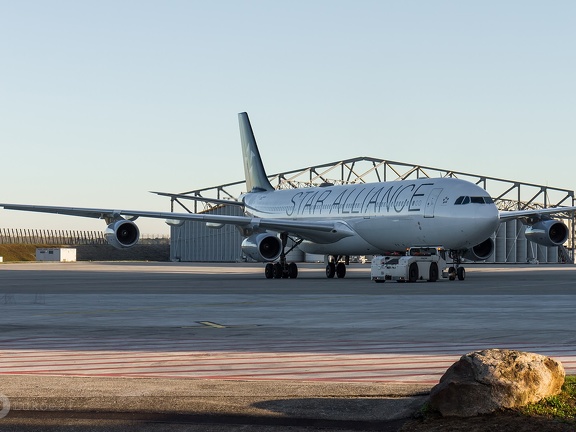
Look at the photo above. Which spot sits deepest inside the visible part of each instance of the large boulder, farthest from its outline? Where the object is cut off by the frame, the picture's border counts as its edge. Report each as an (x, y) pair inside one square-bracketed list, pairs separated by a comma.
[(482, 382)]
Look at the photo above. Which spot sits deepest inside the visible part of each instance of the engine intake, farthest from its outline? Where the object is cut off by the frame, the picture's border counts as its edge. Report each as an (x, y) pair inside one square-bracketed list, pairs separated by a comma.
[(481, 251), (262, 247), (122, 234), (549, 232)]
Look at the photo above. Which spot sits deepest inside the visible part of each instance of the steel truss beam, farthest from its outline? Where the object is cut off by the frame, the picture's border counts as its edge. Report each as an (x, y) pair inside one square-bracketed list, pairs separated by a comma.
[(507, 194)]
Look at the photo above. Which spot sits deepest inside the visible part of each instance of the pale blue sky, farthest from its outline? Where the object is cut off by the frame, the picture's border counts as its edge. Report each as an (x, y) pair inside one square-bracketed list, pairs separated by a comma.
[(103, 101)]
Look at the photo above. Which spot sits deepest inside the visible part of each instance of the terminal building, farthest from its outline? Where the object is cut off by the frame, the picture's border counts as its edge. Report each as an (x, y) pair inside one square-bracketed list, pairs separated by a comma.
[(193, 241)]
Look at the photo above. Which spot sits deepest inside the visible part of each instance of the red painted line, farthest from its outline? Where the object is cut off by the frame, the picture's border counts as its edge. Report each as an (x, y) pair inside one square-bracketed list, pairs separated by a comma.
[(220, 360), (383, 378), (318, 346), (264, 365), (134, 354), (302, 370), (238, 376), (399, 379), (263, 347), (280, 370), (223, 356), (394, 349), (314, 343), (229, 361)]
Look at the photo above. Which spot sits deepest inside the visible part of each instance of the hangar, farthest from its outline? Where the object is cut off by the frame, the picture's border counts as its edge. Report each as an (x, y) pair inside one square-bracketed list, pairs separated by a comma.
[(193, 241)]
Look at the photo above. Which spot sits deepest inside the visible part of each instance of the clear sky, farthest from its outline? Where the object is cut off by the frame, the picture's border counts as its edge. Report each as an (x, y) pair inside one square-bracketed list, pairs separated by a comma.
[(102, 101)]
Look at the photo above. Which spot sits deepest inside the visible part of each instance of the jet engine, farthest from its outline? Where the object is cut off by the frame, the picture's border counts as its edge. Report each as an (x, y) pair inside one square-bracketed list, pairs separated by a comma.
[(549, 232), (122, 234), (481, 251), (262, 247)]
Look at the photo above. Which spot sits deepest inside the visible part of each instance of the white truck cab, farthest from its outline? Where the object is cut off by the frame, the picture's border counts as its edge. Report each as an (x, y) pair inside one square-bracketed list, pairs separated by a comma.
[(419, 263)]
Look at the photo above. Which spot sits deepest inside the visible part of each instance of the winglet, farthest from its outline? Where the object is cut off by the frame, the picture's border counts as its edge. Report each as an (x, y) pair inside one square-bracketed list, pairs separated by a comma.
[(256, 178)]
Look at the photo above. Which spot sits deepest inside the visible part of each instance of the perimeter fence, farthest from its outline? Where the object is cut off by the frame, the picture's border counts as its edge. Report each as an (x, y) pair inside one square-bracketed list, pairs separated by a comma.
[(66, 237)]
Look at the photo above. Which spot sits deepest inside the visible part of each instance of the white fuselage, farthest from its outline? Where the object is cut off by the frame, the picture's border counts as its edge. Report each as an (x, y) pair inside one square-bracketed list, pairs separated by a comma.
[(387, 216)]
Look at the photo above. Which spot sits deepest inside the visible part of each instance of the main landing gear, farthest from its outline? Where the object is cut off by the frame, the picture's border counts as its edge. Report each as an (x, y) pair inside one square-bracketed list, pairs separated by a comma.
[(282, 269), (335, 266), (457, 271)]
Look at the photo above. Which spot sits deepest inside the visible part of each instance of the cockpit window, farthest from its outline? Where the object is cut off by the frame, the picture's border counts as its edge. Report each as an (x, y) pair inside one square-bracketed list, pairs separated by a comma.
[(474, 200)]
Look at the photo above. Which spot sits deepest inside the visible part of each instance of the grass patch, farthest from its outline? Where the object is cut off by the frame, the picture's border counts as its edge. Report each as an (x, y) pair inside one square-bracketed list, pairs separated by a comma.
[(553, 414), (104, 252), (561, 406), (19, 252)]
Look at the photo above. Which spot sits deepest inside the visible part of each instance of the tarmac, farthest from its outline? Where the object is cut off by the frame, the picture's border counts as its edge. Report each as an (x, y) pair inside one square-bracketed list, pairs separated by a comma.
[(212, 402), (47, 400)]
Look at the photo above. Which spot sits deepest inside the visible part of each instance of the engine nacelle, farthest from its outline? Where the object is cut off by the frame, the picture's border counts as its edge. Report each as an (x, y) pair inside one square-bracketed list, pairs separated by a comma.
[(262, 247), (548, 232), (481, 251), (122, 234)]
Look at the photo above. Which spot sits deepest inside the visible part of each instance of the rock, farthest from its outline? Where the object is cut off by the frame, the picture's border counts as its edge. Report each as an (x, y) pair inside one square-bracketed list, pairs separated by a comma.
[(482, 382)]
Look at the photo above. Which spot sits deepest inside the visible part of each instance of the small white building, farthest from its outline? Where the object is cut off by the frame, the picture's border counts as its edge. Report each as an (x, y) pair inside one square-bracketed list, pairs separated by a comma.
[(56, 254)]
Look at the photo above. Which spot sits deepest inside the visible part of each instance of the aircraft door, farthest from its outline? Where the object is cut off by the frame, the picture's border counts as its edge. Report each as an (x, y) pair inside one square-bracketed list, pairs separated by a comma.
[(431, 203)]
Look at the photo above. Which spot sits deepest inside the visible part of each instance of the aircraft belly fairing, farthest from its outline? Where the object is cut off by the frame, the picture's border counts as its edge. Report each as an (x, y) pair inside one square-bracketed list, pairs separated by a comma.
[(347, 246)]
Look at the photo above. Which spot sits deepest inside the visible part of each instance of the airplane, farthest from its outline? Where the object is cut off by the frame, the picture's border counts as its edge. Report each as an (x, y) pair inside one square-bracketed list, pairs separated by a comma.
[(343, 220)]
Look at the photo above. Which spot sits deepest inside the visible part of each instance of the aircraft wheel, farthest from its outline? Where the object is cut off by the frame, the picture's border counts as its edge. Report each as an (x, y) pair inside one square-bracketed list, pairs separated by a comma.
[(292, 270), (433, 276), (461, 273), (341, 270), (330, 270), (278, 271), (269, 271), (413, 272)]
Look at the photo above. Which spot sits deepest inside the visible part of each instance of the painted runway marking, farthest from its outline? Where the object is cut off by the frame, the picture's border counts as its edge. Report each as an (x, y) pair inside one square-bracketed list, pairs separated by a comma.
[(211, 324), (331, 361)]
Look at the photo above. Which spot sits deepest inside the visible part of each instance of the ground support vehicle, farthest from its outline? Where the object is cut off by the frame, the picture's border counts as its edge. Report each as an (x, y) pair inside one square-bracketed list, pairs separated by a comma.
[(419, 263)]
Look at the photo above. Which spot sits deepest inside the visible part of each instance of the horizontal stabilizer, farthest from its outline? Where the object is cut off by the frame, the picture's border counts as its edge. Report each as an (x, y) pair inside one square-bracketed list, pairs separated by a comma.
[(200, 198)]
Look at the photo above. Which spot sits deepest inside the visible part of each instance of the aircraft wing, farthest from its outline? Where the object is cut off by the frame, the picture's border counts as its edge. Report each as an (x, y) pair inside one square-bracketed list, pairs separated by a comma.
[(324, 231), (534, 214), (127, 214)]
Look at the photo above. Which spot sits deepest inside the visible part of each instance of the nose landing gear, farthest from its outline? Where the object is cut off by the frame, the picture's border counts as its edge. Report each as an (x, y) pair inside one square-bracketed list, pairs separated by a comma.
[(457, 271)]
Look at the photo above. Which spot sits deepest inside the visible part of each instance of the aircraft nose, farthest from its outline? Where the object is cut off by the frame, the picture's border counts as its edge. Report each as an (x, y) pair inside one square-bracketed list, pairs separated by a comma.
[(488, 219)]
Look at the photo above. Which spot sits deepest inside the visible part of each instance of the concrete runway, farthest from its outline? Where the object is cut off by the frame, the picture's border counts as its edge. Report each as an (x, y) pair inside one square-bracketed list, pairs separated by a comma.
[(226, 322), (167, 307)]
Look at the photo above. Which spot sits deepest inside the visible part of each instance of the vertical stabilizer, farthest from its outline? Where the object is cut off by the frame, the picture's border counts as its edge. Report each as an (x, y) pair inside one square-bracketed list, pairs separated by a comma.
[(256, 178)]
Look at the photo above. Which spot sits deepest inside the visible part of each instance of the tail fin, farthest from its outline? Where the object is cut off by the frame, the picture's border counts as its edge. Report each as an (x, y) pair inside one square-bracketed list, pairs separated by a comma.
[(256, 178)]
